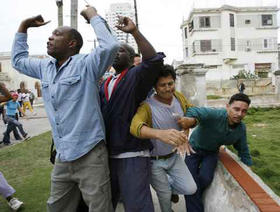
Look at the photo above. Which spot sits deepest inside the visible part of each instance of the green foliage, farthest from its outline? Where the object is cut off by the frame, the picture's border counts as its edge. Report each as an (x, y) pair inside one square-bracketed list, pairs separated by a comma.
[(243, 74)]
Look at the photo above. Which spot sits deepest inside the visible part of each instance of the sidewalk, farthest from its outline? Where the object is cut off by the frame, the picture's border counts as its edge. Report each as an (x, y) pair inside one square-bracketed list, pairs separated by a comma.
[(33, 125)]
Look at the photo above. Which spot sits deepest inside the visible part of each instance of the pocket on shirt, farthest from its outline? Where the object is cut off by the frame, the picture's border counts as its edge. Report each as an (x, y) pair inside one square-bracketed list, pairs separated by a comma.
[(71, 87), (45, 90)]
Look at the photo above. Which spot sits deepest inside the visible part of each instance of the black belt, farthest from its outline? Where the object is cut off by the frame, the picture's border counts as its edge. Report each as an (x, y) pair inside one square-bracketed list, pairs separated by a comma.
[(163, 156)]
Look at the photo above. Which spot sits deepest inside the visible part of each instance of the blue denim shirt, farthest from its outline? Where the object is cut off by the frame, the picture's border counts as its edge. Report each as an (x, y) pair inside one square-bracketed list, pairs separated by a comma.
[(70, 93)]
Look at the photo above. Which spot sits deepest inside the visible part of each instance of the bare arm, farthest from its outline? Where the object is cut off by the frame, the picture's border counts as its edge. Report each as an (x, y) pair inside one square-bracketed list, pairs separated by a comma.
[(125, 24), (6, 94)]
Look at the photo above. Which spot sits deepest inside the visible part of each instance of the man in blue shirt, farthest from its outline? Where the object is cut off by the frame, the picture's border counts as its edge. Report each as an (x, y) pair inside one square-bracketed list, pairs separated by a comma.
[(70, 93), (215, 127), (11, 109)]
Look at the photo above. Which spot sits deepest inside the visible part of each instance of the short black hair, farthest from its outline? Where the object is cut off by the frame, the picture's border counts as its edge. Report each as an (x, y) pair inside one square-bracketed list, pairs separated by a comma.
[(167, 70), (130, 51), (74, 34), (137, 55), (239, 97)]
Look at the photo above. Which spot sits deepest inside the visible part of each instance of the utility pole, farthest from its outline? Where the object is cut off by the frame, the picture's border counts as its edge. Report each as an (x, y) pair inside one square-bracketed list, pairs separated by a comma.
[(136, 20), (74, 14), (59, 4)]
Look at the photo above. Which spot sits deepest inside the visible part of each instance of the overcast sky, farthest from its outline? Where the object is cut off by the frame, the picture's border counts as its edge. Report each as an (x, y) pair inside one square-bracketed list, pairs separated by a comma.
[(159, 21)]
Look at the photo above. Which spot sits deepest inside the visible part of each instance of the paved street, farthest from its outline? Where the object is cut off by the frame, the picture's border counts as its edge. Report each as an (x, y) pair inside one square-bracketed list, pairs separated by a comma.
[(33, 125)]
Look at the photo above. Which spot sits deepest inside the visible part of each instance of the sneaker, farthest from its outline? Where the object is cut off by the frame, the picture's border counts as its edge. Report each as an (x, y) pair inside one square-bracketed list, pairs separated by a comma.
[(15, 204), (26, 136), (174, 198)]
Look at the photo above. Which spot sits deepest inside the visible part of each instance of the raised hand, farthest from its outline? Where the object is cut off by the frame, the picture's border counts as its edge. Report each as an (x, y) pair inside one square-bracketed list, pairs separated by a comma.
[(125, 24), (35, 21), (88, 13)]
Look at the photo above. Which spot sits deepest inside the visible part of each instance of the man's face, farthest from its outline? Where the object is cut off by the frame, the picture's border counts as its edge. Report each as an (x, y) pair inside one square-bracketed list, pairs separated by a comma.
[(122, 59), (58, 42), (236, 111), (137, 61), (14, 98), (165, 87)]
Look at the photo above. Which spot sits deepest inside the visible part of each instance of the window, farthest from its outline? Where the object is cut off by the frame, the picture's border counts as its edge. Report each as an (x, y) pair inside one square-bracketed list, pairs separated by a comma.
[(232, 44), (247, 21), (186, 32), (193, 47), (265, 43), (231, 20), (190, 26), (204, 22), (187, 52), (267, 20), (205, 45)]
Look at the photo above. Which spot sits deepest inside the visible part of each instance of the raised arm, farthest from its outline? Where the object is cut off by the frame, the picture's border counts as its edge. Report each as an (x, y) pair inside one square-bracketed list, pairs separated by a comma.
[(125, 24), (102, 57), (6, 94), (20, 60)]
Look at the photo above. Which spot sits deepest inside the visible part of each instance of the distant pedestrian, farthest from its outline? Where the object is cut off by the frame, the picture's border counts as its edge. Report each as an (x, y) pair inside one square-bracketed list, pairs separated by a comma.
[(26, 102), (31, 98), (10, 118), (241, 87), (7, 192), (19, 99)]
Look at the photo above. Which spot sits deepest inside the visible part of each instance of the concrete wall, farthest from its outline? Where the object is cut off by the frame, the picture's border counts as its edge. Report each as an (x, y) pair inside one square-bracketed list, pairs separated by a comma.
[(236, 188), (226, 195), (260, 86)]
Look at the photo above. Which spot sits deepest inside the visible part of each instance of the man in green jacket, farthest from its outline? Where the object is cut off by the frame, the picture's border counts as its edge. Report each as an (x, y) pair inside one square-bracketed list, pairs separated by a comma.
[(214, 127)]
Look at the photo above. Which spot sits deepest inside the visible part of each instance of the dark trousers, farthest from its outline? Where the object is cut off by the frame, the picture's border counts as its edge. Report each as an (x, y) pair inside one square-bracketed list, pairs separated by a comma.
[(202, 166), (130, 179), (12, 124)]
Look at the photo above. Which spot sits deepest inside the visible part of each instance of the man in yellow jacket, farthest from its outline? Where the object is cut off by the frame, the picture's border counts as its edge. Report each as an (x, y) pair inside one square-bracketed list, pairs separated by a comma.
[(156, 119)]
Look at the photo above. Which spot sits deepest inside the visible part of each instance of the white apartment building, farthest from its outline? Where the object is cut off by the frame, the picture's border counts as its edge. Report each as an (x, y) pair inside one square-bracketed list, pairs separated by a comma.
[(121, 9), (229, 39)]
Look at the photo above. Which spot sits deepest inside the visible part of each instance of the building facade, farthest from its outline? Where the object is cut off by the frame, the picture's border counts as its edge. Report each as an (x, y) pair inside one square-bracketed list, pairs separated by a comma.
[(14, 79), (121, 9), (232, 39)]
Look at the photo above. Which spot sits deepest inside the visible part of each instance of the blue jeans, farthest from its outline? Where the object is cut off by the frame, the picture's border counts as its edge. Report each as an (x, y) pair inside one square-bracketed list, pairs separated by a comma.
[(202, 165), (130, 179), (12, 124), (171, 176)]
